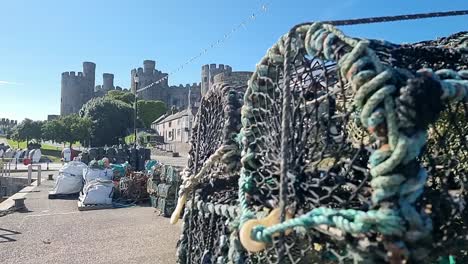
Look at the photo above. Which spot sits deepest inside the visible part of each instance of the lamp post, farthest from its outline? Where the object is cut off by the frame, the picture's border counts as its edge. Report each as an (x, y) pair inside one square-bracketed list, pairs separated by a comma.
[(189, 112), (136, 79)]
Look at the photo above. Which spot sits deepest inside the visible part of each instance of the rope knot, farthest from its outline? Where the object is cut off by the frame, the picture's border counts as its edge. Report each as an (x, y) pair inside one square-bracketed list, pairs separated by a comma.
[(259, 234)]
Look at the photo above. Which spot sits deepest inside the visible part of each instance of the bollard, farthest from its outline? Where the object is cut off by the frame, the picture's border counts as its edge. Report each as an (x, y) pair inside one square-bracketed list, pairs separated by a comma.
[(19, 203), (38, 175), (47, 165), (29, 173), (51, 177)]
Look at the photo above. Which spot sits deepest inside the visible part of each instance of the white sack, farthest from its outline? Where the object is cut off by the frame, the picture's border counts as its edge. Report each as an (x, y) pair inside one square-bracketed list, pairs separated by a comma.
[(18, 154), (93, 174), (9, 153), (67, 184), (70, 179), (97, 192), (74, 168), (35, 155), (66, 152)]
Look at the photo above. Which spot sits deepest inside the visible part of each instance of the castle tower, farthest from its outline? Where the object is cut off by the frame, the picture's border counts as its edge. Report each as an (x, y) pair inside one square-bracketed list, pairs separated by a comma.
[(149, 66), (89, 71), (208, 73), (147, 76), (77, 88), (107, 81)]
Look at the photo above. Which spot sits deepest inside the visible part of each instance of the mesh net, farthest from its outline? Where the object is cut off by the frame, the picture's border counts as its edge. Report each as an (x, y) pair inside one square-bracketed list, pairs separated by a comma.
[(206, 235), (329, 152)]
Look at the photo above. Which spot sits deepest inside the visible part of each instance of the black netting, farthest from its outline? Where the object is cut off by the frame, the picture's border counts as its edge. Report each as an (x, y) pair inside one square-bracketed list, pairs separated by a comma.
[(329, 151), (327, 164), (207, 232)]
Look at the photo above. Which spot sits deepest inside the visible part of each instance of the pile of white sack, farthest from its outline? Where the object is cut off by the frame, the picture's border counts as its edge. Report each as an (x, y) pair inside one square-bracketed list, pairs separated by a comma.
[(70, 179), (35, 155), (98, 188), (9, 153)]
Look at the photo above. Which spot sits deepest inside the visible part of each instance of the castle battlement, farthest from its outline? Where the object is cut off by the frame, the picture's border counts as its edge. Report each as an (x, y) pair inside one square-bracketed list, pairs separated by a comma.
[(187, 86), (149, 66), (73, 75), (209, 71), (213, 67)]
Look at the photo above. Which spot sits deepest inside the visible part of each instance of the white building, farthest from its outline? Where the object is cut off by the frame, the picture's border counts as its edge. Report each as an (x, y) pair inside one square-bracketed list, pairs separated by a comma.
[(175, 127)]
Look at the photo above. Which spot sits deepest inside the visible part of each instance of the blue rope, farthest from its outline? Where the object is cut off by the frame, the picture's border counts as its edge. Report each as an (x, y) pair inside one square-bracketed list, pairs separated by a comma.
[(373, 86)]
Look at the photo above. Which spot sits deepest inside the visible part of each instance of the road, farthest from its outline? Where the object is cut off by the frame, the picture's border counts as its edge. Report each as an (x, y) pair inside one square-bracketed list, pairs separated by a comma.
[(54, 231)]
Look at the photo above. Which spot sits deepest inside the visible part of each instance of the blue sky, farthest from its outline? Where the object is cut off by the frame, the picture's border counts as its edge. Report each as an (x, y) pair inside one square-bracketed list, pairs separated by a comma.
[(41, 39)]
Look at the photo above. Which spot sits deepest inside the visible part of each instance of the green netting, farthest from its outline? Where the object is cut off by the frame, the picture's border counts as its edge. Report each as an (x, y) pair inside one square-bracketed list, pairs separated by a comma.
[(365, 150)]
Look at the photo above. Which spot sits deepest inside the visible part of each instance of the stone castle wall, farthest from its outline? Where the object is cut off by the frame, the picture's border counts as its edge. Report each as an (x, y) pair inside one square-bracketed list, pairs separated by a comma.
[(178, 95), (171, 95), (238, 78)]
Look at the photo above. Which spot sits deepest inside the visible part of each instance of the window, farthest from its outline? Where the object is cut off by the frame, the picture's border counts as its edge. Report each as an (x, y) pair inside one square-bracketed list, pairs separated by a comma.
[(178, 121), (205, 79), (169, 123), (178, 132)]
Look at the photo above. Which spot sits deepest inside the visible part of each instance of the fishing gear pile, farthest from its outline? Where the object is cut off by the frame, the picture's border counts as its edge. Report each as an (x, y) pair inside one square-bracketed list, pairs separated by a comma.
[(342, 150)]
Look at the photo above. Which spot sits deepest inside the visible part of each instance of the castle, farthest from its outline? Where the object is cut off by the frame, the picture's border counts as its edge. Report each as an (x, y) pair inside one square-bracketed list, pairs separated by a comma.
[(79, 88)]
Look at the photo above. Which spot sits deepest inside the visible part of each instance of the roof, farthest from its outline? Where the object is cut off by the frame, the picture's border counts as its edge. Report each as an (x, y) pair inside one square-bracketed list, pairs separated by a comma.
[(159, 119), (166, 118)]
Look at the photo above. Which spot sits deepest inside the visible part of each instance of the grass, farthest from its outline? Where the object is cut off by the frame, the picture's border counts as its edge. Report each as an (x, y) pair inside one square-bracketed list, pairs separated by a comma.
[(129, 139), (22, 145)]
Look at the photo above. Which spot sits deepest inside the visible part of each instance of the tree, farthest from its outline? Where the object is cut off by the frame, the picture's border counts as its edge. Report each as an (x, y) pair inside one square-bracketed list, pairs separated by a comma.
[(126, 97), (111, 120), (80, 130), (54, 130), (70, 129), (28, 129), (148, 111)]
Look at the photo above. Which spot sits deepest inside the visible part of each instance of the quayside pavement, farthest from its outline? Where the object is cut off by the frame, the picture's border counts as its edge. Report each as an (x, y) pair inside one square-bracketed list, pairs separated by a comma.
[(54, 231)]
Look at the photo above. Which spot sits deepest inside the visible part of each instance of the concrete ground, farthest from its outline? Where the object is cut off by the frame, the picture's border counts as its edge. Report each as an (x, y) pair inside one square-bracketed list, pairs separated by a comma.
[(173, 161), (54, 231)]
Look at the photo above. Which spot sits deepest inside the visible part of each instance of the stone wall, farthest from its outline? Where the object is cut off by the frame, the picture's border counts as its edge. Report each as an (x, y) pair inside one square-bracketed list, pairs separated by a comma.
[(171, 95), (178, 95), (238, 78)]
